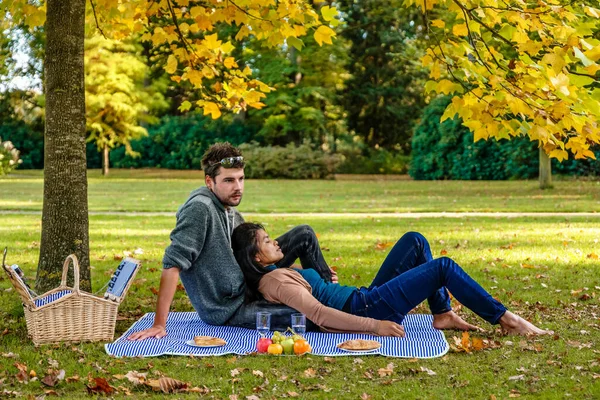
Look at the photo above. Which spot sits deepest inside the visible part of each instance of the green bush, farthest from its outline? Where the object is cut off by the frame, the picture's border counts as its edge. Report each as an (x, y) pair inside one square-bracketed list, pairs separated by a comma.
[(289, 162), (447, 151), (358, 160), (28, 139), (9, 157), (178, 142)]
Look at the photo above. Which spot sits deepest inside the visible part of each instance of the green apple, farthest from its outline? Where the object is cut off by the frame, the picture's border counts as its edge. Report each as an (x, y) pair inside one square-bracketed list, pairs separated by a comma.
[(288, 346)]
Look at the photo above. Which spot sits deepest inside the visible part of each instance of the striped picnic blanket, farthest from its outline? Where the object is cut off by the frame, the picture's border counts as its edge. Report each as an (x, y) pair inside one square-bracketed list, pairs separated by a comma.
[(421, 340)]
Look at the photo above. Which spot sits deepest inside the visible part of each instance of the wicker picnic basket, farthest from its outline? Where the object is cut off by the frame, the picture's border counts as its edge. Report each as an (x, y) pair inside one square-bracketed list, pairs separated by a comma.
[(73, 317)]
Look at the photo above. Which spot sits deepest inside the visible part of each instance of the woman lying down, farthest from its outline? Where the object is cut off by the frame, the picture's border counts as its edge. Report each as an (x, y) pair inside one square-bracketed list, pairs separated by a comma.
[(408, 276)]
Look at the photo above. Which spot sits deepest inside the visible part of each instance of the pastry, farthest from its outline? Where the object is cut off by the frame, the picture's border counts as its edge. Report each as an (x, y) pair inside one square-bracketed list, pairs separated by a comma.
[(208, 341), (359, 345)]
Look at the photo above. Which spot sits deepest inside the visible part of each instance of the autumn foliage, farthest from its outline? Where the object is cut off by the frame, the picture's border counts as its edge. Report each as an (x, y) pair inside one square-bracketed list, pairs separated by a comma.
[(519, 67)]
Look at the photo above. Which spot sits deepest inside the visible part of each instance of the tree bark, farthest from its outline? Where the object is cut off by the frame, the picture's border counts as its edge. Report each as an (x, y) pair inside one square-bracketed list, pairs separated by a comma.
[(545, 170), (65, 210), (105, 160)]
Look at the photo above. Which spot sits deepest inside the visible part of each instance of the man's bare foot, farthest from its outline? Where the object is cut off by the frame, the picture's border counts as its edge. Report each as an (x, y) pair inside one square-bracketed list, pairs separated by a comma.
[(450, 320), (514, 325)]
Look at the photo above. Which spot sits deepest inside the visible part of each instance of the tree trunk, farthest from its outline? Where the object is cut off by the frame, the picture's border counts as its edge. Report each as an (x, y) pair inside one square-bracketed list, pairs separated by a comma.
[(105, 160), (65, 210), (545, 170)]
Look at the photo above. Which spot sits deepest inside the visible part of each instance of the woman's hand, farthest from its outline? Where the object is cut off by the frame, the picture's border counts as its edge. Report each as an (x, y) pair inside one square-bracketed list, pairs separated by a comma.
[(389, 328), (157, 331)]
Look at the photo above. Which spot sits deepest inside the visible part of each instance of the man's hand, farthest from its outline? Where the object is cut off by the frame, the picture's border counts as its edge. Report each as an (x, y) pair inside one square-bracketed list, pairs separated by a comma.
[(334, 277), (389, 328), (157, 331)]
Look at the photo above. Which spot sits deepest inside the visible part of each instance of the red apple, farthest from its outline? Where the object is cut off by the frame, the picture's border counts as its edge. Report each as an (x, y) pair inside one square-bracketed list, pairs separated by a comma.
[(263, 344)]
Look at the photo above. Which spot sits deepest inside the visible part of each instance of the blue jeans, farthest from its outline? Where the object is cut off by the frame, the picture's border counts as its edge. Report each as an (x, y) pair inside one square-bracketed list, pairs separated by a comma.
[(410, 275)]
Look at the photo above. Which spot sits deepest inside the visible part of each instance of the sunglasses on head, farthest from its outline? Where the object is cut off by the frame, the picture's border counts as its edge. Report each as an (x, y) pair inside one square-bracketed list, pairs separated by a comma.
[(229, 162)]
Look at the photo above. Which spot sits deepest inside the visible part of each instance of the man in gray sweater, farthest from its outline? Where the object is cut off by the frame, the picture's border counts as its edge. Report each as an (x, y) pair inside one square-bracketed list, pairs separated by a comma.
[(200, 252)]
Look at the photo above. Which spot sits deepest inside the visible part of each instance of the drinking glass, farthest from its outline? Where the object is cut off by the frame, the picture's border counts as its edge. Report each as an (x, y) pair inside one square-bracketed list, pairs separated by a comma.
[(299, 323), (263, 323)]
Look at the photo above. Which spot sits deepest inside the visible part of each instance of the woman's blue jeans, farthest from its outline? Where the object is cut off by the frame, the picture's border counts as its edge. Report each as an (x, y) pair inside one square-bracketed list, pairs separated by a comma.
[(410, 275)]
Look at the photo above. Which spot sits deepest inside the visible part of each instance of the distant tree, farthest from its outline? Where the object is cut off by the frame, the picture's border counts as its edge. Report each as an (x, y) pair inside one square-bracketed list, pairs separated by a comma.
[(384, 95), (306, 103), (117, 97)]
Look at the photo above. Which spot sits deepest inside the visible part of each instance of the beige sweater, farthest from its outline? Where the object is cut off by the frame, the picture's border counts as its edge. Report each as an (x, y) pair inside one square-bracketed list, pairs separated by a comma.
[(288, 287)]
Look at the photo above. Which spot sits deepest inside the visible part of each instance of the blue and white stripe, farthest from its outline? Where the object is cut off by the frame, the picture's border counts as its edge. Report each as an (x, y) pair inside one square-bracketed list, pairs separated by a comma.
[(421, 340), (42, 301)]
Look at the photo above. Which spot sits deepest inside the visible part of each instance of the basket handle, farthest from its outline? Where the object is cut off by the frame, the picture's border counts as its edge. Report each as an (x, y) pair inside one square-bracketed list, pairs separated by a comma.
[(63, 282)]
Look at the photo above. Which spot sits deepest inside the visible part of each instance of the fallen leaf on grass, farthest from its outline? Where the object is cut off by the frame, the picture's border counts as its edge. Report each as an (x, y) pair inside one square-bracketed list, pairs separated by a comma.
[(258, 373), (593, 256), (330, 360), (516, 378), (467, 344), (99, 386), (53, 378), (22, 375), (365, 396), (383, 245), (252, 397), (293, 394), (125, 391), (166, 384), (388, 370), (234, 372), (429, 372), (310, 373)]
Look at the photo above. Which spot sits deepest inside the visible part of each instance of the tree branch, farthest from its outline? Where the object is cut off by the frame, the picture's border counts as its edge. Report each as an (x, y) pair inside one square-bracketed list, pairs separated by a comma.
[(96, 18), (247, 13)]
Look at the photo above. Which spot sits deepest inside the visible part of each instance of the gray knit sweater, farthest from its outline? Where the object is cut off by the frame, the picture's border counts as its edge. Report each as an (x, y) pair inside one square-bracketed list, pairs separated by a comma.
[(200, 248)]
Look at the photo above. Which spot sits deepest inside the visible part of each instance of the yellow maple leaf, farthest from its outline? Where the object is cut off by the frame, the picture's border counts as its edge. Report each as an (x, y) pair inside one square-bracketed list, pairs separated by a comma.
[(171, 66), (438, 23), (460, 30), (230, 62), (324, 34), (300, 30), (242, 33), (210, 108), (212, 42), (195, 77), (328, 13), (195, 11), (258, 105), (227, 48)]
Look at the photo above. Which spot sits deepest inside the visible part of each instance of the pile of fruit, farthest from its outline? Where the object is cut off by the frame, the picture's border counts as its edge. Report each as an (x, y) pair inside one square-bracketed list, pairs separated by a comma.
[(281, 343)]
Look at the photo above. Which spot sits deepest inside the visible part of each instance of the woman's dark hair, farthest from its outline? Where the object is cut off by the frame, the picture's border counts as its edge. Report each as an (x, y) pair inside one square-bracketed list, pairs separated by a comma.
[(244, 242)]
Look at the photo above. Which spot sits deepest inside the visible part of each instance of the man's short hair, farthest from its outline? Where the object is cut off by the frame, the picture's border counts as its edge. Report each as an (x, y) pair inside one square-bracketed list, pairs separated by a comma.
[(217, 152)]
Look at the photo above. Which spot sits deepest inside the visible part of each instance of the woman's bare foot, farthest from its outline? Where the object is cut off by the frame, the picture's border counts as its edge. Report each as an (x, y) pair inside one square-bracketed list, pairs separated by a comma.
[(514, 325), (450, 320)]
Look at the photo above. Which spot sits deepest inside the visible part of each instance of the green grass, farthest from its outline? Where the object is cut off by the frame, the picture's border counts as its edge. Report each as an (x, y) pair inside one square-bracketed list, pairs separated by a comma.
[(158, 190), (531, 264)]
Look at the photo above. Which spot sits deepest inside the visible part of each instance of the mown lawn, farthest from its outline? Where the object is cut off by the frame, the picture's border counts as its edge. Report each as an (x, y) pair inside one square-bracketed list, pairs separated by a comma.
[(545, 269), (159, 190)]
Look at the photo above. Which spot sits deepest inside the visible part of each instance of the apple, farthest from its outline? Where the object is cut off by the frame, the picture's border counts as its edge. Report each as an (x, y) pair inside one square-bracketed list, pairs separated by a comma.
[(288, 346), (275, 348), (263, 344)]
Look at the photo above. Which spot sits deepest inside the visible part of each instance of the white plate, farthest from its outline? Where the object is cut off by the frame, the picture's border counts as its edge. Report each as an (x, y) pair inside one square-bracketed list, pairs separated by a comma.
[(356, 351), (193, 344)]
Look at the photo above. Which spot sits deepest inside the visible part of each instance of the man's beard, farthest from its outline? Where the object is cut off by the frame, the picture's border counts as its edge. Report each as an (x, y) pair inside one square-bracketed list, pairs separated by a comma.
[(230, 201)]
